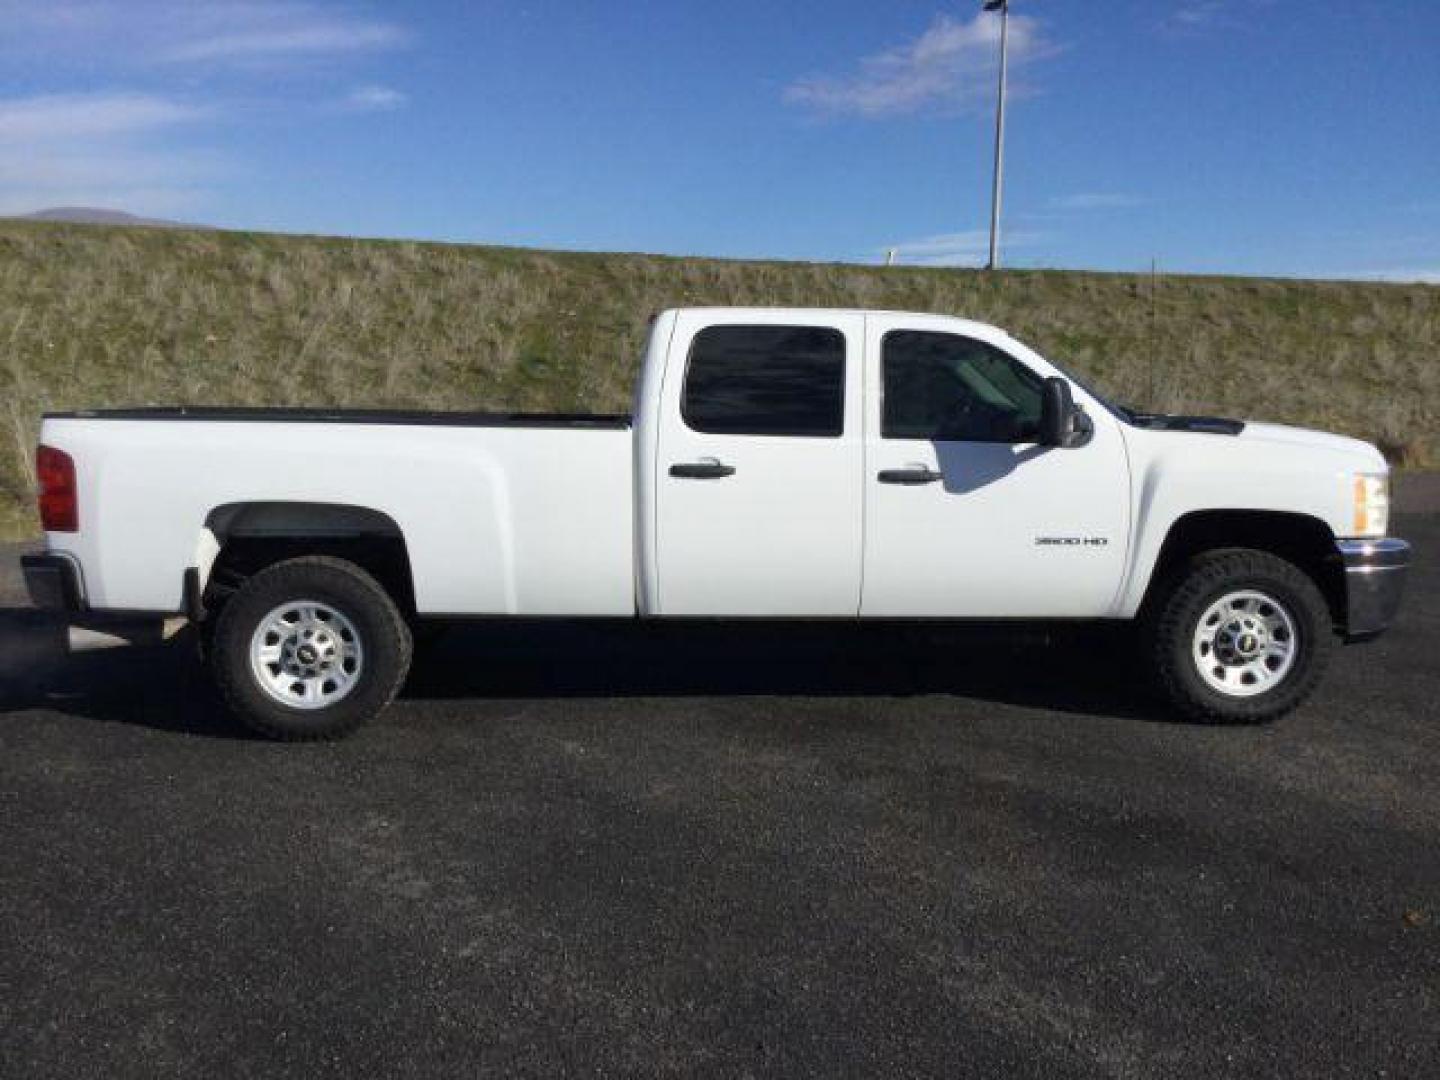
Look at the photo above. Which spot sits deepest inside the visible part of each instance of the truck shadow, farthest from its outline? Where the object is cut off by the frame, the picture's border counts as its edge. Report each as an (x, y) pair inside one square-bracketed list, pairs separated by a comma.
[(1048, 667), (1068, 670), (157, 686)]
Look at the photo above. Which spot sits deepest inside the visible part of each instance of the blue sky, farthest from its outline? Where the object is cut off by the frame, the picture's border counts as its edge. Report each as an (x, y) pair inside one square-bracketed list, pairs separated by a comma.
[(1296, 137)]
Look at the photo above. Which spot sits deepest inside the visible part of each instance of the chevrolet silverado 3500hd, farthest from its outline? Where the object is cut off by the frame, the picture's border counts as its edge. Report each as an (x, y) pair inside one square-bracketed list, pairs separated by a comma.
[(811, 464)]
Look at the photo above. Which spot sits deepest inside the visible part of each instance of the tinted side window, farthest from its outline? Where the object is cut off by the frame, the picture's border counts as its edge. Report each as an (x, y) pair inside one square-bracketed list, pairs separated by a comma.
[(951, 388), (766, 380)]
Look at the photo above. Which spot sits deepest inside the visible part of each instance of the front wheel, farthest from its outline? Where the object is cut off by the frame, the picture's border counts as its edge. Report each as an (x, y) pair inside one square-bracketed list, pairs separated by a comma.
[(1241, 637), (309, 648)]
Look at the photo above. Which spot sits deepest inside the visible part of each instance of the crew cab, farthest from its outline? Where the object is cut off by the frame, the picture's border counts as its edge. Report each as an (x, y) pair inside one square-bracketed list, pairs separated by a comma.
[(780, 464)]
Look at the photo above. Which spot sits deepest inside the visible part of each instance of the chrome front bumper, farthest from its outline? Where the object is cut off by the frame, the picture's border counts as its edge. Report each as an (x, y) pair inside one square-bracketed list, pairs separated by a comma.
[(1375, 572)]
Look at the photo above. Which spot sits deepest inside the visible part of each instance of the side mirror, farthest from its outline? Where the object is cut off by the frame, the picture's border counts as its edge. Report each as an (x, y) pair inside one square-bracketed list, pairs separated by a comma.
[(1062, 422)]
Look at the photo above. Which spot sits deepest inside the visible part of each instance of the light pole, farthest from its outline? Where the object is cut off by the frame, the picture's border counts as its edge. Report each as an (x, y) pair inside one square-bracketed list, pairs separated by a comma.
[(997, 191)]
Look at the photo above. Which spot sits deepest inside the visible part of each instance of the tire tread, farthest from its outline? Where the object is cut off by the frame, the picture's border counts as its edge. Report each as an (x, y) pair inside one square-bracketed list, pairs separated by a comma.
[(229, 658), (1170, 630)]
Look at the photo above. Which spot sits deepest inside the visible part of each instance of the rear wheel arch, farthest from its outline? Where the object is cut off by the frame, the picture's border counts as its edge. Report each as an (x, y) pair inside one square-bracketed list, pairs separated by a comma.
[(241, 539)]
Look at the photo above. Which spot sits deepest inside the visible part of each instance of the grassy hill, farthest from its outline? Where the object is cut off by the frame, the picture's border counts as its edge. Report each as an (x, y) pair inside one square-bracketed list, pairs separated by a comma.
[(94, 316)]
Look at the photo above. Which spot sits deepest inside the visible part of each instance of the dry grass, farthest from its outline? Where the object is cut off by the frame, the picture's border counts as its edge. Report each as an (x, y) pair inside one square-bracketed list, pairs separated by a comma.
[(94, 316)]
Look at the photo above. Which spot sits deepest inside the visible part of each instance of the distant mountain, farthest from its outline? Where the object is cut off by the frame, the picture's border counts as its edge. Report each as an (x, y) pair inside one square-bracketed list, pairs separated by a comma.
[(92, 215)]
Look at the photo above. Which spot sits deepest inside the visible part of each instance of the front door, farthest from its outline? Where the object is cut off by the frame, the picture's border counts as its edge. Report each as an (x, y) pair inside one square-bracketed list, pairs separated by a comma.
[(758, 504), (965, 516)]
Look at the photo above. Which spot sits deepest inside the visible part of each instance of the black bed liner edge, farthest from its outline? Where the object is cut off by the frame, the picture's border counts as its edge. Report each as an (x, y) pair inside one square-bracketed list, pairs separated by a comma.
[(354, 416)]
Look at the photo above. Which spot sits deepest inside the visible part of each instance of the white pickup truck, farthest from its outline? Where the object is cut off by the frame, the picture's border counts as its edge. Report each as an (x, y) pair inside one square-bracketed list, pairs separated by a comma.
[(811, 464)]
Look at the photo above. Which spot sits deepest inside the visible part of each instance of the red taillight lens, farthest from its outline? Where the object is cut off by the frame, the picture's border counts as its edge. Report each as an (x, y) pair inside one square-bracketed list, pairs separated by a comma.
[(59, 503)]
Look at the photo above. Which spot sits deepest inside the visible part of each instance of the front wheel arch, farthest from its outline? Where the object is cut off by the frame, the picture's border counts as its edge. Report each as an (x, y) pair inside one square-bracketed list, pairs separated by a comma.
[(1304, 541)]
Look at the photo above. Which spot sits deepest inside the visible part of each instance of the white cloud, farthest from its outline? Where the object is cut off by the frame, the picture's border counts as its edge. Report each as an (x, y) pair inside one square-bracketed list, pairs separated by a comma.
[(105, 149), (212, 35), (951, 65), (1197, 16), (145, 152), (69, 167), (1095, 200), (303, 37), (48, 117), (374, 99), (1197, 13), (970, 248)]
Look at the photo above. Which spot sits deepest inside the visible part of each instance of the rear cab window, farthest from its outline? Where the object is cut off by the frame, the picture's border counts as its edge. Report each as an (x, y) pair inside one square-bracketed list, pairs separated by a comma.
[(766, 380)]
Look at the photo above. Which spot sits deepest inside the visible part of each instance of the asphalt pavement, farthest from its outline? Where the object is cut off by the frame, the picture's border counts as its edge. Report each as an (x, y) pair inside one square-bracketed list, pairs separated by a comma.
[(764, 851)]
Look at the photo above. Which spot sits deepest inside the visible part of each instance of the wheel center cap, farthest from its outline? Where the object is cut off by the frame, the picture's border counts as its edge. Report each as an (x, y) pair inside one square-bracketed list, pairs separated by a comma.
[(1249, 643), (306, 654)]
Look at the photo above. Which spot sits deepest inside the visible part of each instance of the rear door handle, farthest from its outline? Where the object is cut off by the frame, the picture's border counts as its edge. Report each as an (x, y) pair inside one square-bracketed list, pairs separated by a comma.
[(909, 477), (702, 470)]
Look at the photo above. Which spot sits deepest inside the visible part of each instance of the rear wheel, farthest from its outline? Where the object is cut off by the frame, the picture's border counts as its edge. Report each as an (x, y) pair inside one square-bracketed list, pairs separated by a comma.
[(1241, 637), (309, 648)]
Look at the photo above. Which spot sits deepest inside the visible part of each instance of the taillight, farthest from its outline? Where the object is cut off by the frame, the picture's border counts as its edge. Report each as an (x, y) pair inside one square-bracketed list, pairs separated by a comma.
[(59, 503)]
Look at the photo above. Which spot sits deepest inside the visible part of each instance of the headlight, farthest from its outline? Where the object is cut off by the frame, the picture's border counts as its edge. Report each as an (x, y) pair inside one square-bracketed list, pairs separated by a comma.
[(1372, 504)]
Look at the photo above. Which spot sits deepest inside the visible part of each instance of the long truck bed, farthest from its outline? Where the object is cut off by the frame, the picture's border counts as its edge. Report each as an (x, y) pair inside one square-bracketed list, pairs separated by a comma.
[(501, 514)]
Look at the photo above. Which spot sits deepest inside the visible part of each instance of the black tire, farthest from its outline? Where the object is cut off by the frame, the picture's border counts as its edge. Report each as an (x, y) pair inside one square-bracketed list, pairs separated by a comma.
[(1207, 579), (376, 621)]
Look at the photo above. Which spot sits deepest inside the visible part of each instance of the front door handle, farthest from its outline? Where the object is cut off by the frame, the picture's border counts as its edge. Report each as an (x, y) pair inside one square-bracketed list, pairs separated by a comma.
[(909, 477), (702, 470)]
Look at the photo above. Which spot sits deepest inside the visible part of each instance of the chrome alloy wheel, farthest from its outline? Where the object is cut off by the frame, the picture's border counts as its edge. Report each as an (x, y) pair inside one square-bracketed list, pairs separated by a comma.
[(306, 654), (1245, 644)]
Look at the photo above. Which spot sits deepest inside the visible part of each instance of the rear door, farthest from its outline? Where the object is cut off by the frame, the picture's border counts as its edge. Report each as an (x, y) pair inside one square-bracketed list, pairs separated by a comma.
[(757, 476)]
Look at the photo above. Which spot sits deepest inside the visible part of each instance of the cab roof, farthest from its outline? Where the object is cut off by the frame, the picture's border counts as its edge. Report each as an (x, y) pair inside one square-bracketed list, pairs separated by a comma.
[(821, 313)]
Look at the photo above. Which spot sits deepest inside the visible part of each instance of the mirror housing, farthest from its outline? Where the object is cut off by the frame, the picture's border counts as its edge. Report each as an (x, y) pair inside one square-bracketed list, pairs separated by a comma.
[(1062, 422)]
